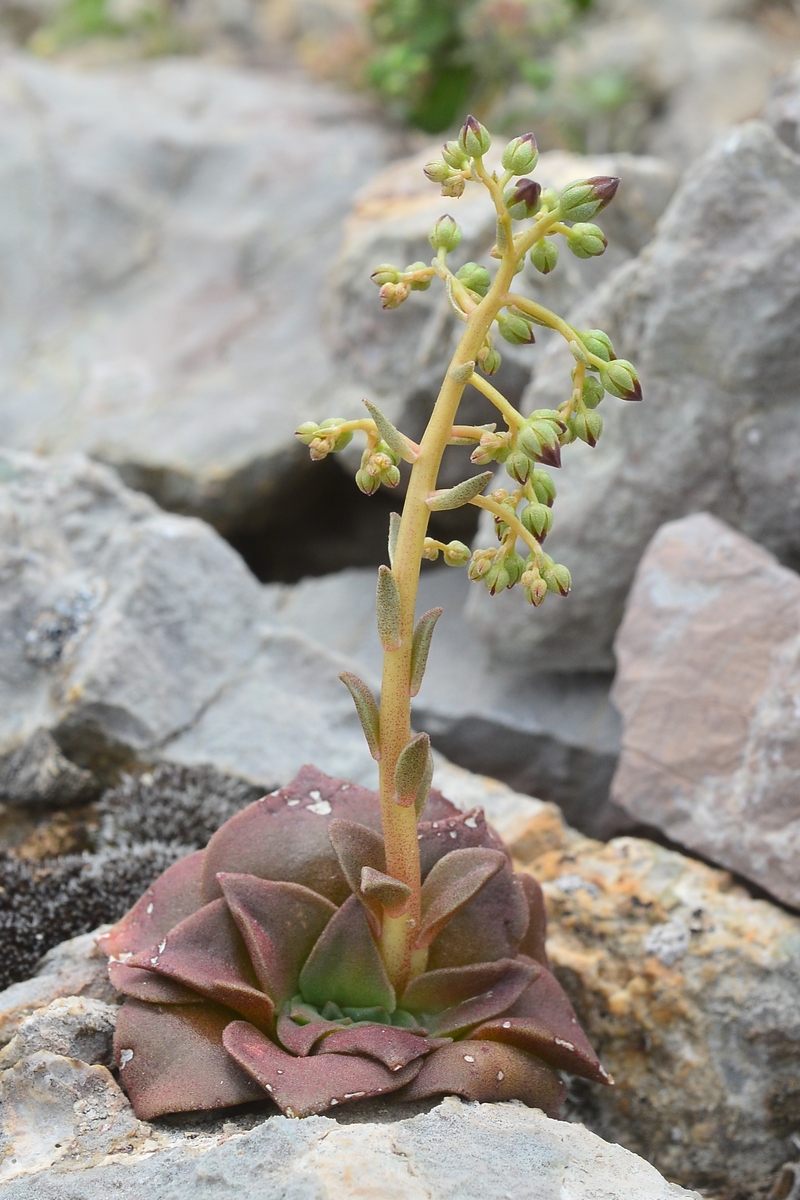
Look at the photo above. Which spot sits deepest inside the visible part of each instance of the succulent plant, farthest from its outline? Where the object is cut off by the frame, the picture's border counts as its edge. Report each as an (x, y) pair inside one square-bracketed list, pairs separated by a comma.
[(251, 968)]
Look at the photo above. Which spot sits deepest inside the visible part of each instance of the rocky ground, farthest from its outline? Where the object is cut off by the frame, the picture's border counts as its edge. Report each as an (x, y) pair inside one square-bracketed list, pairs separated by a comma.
[(179, 292)]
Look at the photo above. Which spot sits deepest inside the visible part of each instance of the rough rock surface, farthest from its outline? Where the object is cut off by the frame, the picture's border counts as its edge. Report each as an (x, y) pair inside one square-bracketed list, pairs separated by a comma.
[(73, 1026), (161, 276), (711, 317), (709, 691), (783, 108), (131, 632), (554, 736)]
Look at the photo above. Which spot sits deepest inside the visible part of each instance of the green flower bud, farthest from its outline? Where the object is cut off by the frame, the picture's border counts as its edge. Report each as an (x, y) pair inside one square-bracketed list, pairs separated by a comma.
[(522, 201), (550, 199), (592, 391), (393, 294), (586, 241), (454, 187), (521, 154), (518, 466), (493, 447), (497, 578), (537, 519), (454, 156), (584, 198), (385, 273), (480, 563), (557, 578), (598, 344), (476, 278), (430, 550), (474, 139), (544, 256), (620, 379), (515, 330), (306, 432), (535, 587), (586, 426), (543, 487), (491, 361), (344, 439), (366, 483), (515, 567), (456, 554), (445, 234), (418, 285), (437, 170), (391, 476)]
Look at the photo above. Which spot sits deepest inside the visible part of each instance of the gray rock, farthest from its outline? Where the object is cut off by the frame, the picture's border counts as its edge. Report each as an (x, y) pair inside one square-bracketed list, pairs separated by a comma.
[(130, 632), (74, 1026), (165, 278), (455, 1152), (38, 774), (718, 429), (783, 108), (708, 687), (554, 736)]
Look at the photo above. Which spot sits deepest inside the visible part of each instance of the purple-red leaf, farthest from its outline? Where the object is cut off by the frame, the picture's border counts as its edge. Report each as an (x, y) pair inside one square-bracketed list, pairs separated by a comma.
[(206, 952), (543, 1022), (280, 923), (146, 985), (458, 831), (487, 1071), (303, 1086), (533, 943), (489, 927), (385, 892), (345, 965), (172, 1059), (451, 883), (301, 1039), (395, 1048), (174, 896), (484, 1002)]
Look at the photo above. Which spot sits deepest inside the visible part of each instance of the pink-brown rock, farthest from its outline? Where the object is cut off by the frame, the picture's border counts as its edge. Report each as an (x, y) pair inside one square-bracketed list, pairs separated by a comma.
[(709, 691)]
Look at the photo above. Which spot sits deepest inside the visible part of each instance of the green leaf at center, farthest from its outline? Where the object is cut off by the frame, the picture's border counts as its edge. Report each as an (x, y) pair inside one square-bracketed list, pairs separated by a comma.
[(345, 965)]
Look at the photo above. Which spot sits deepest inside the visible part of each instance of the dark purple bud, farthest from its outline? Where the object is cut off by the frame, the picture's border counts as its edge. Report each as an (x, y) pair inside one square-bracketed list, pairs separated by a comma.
[(550, 455)]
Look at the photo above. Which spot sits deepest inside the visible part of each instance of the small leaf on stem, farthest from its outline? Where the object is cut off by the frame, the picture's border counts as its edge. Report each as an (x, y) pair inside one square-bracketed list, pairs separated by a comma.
[(394, 533), (394, 439), (461, 494), (388, 610), (424, 787), (410, 770), (420, 647), (390, 893), (367, 710)]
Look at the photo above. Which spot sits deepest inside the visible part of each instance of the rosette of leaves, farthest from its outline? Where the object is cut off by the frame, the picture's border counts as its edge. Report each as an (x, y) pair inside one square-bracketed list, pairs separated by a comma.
[(251, 969)]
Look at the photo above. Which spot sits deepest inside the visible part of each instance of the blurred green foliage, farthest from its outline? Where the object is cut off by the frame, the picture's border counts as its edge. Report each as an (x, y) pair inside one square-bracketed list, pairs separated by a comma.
[(433, 59)]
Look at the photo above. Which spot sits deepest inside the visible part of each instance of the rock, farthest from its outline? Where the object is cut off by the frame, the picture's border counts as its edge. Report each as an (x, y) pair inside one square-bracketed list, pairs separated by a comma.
[(74, 968), (554, 736), (165, 279), (402, 355), (783, 108), (454, 1152), (708, 686), (134, 634), (719, 428), (75, 1027), (38, 774)]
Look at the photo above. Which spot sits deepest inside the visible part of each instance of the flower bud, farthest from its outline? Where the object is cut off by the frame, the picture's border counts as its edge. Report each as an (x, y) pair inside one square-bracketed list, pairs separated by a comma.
[(522, 200), (480, 563), (490, 361), (393, 294), (437, 170), (557, 578), (584, 198), (497, 578), (521, 154), (366, 483), (518, 466), (306, 432), (493, 447), (515, 567), (391, 476), (430, 550), (598, 344), (515, 329), (543, 487), (454, 156), (385, 273), (544, 256), (535, 587), (453, 187), (476, 278), (456, 554), (587, 426), (592, 391), (344, 439), (418, 285), (620, 379), (537, 519), (586, 241), (474, 139), (445, 234)]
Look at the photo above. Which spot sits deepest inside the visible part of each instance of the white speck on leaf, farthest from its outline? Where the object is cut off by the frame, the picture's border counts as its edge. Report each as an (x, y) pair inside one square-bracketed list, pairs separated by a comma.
[(125, 1057), (471, 823), (321, 808), (149, 908), (315, 795), (468, 1058)]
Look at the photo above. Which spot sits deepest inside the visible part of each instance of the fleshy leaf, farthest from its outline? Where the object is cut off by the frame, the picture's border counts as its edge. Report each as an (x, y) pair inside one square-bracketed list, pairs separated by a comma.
[(285, 836), (367, 710), (300, 1039), (394, 533), (409, 773), (172, 1059), (423, 633), (303, 1086), (533, 943), (175, 895), (543, 1022), (387, 610), (451, 883), (356, 847), (423, 792), (280, 923), (395, 1048), (345, 965), (206, 952), (390, 894), (458, 831), (436, 991), (482, 1005), (394, 439), (146, 985), (471, 1070), (462, 493)]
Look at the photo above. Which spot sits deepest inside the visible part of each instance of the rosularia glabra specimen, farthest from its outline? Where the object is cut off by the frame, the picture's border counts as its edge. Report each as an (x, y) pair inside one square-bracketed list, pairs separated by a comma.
[(331, 943)]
